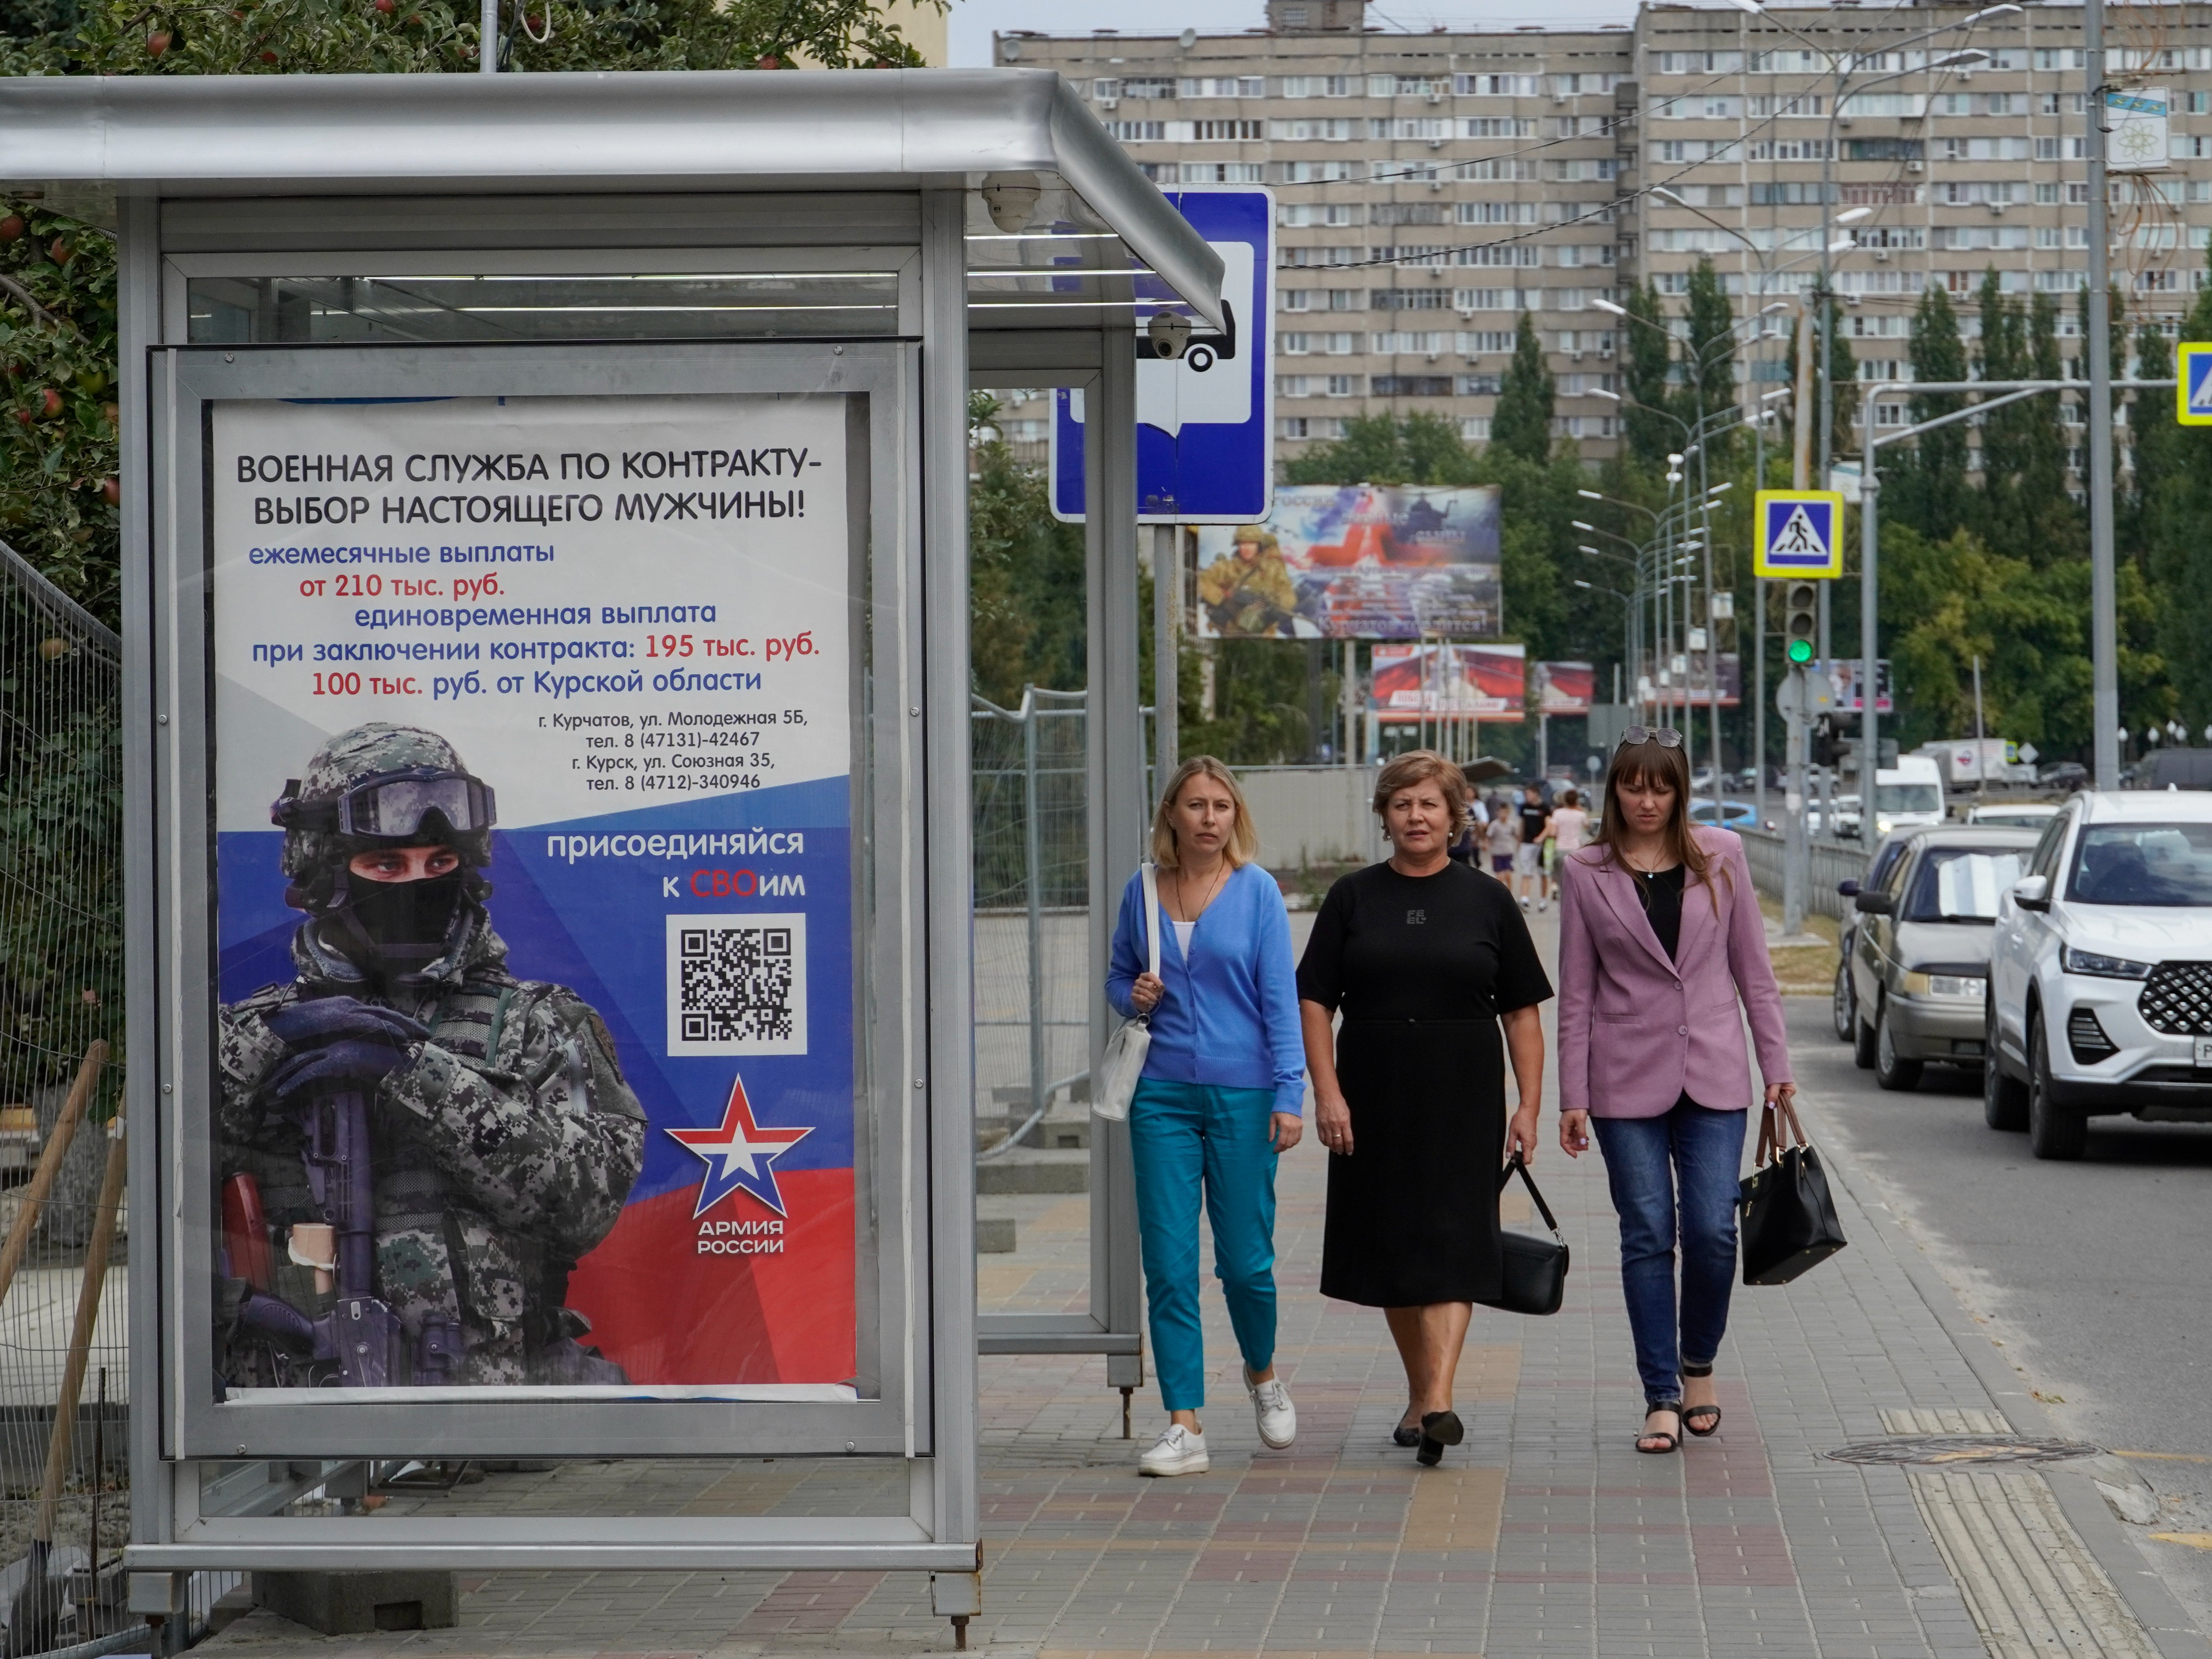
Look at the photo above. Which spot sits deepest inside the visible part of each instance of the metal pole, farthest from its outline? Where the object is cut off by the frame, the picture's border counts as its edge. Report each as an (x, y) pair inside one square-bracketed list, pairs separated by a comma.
[(1033, 861), (487, 38), (1981, 741), (1796, 856), (1870, 589), (1758, 695), (1167, 650), (2104, 626)]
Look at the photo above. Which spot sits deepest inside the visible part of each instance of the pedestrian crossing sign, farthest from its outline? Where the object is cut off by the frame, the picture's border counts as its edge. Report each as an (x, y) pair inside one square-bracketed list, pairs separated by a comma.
[(2193, 386), (1800, 533)]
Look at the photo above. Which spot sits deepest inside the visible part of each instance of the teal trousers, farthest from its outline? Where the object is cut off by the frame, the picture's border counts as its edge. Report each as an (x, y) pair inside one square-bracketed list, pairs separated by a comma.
[(1187, 1137)]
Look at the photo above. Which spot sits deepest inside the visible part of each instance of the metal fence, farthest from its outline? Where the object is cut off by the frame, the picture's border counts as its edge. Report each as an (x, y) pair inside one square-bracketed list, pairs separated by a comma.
[(1032, 905), (1831, 861)]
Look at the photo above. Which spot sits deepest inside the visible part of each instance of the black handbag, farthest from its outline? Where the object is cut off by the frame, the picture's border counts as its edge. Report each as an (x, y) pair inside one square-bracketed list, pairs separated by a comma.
[(1532, 1274), (1789, 1221)]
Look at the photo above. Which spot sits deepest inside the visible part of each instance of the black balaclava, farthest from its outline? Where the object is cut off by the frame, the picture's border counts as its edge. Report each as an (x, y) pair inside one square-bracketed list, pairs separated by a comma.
[(399, 927)]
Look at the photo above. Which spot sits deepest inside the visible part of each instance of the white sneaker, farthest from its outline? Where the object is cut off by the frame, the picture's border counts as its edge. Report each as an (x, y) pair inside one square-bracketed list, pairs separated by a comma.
[(1524, 901), (1176, 1452), (1543, 905), (1271, 1406)]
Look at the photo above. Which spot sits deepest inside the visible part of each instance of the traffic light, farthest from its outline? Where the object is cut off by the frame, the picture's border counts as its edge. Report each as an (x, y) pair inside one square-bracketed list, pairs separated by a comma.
[(1801, 621), (1827, 744)]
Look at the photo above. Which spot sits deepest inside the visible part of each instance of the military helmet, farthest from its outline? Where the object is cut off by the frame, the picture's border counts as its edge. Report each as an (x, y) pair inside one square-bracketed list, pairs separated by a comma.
[(380, 785), (1256, 533)]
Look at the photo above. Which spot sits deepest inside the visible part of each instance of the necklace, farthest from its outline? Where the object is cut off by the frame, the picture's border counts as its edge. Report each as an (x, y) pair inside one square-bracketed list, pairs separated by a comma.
[(1220, 875)]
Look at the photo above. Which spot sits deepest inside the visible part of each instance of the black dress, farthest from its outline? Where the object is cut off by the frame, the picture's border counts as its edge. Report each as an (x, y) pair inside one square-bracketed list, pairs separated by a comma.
[(1421, 967)]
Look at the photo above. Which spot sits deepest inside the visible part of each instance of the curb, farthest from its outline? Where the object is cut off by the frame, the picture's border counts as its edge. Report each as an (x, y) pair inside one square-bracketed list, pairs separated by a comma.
[(2155, 1607)]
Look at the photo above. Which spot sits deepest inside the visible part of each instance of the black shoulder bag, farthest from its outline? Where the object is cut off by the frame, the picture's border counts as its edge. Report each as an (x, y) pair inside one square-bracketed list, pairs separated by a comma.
[(1532, 1275), (1789, 1221)]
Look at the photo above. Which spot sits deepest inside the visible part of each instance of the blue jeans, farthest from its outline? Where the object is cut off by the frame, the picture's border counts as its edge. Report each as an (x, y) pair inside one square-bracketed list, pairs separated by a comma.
[(1183, 1135), (1685, 1163)]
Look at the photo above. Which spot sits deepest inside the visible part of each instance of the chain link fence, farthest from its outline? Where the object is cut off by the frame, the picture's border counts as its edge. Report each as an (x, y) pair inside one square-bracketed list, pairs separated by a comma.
[(65, 1314), (1032, 908)]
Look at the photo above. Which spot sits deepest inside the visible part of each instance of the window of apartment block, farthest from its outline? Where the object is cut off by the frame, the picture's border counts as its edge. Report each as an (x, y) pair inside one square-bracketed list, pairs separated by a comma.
[(1589, 170), (1480, 385), (1337, 345), (1496, 213), (1405, 299), (1486, 299), (1136, 86), (1498, 126), (1497, 86), (1485, 342), (1787, 105), (1786, 62), (1407, 213), (1294, 386), (1474, 429), (1222, 173), (1408, 86), (1413, 386), (1976, 149), (1317, 173), (1328, 215), (1411, 126), (1232, 86), (1700, 63), (1576, 86), (1229, 131), (1903, 105), (1502, 170), (1316, 131), (1411, 341), (1137, 132), (1309, 426), (1304, 257)]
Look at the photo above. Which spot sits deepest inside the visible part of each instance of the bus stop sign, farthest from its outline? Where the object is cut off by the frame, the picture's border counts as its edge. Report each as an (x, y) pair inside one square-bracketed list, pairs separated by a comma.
[(1204, 420)]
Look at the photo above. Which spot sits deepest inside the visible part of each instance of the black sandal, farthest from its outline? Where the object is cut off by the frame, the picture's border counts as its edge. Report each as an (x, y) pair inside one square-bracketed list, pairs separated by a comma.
[(1438, 1429), (1709, 1412), (1673, 1441)]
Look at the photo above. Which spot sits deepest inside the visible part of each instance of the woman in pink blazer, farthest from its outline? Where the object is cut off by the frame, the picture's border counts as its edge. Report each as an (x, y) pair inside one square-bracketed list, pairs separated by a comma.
[(1660, 935)]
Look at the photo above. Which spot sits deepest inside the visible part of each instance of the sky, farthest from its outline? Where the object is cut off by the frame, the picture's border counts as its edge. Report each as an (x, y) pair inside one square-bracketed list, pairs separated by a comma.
[(972, 21)]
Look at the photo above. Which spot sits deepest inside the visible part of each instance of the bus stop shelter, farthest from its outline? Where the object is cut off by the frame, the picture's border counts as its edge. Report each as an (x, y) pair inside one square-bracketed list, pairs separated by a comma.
[(612, 430)]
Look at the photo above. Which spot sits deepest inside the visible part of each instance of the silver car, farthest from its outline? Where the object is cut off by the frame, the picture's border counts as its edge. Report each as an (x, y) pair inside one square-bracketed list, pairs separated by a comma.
[(1920, 957)]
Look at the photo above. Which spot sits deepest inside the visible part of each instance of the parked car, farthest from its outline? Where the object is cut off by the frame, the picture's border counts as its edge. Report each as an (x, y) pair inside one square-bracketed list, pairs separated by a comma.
[(2100, 996), (1910, 793), (1729, 815), (1920, 959), (2014, 814), (2063, 774), (1883, 860)]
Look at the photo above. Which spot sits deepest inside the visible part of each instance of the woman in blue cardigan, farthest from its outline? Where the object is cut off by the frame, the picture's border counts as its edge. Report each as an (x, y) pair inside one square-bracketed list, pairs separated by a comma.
[(1221, 1097)]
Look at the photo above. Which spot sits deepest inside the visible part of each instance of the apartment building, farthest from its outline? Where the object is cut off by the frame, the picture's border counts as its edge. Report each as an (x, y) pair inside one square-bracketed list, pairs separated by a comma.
[(1431, 186)]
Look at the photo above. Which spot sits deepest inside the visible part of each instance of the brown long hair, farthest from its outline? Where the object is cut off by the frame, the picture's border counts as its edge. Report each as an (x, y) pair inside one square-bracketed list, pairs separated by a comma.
[(1242, 845), (1638, 764)]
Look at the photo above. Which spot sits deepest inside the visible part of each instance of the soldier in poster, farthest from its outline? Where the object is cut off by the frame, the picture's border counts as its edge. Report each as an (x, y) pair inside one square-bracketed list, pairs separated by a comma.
[(414, 1146), (1248, 592)]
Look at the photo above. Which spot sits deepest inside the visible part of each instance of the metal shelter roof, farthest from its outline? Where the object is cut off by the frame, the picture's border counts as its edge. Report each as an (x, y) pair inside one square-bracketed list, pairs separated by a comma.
[(737, 130)]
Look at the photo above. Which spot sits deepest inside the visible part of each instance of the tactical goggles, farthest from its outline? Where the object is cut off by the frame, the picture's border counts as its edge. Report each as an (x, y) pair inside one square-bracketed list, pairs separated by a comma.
[(393, 806), (1665, 735)]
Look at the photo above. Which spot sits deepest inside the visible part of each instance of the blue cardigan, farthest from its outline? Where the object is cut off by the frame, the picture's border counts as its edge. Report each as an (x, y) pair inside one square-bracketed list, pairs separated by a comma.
[(1229, 1017)]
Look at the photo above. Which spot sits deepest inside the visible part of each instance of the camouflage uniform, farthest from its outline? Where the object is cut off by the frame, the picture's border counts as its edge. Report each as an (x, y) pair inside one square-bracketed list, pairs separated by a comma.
[(1250, 598), (505, 1145)]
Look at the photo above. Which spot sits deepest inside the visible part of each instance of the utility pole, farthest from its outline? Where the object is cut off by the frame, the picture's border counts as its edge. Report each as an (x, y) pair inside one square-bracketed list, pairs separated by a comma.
[(1167, 649), (2104, 625), (1870, 588)]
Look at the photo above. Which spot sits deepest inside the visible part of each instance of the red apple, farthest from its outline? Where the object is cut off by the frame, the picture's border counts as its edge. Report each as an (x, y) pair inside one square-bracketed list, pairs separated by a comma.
[(22, 417), (386, 7), (158, 42), (50, 403), (12, 227), (268, 56), (111, 491), (771, 62), (58, 250)]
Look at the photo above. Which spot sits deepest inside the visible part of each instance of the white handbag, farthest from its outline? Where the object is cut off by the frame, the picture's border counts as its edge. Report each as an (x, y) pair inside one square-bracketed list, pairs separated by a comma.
[(1123, 1062)]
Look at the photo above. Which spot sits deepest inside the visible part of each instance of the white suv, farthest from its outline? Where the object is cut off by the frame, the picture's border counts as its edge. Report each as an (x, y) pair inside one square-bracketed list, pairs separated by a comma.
[(2099, 993)]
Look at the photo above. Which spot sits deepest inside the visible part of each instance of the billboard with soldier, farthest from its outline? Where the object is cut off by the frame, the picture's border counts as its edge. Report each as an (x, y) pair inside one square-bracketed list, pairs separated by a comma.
[(1365, 562), (533, 757)]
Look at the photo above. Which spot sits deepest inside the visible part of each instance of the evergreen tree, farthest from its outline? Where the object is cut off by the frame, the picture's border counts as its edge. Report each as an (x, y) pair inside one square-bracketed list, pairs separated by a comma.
[(1644, 352), (1523, 424), (1928, 488), (2155, 455), (1843, 372), (2179, 498), (2001, 354), (2051, 522)]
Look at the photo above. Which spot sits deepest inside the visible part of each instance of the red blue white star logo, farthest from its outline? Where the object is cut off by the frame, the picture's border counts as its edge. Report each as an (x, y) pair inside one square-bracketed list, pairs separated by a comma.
[(738, 1154)]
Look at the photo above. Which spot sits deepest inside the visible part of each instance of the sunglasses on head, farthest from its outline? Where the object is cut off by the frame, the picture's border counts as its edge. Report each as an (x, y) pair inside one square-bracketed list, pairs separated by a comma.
[(1665, 735)]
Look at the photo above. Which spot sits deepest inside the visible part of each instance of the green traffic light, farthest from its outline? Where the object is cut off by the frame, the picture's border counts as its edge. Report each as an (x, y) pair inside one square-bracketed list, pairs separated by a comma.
[(1800, 652)]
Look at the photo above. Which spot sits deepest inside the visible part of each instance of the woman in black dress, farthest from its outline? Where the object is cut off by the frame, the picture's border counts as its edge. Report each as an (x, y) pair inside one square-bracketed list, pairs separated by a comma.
[(1426, 959)]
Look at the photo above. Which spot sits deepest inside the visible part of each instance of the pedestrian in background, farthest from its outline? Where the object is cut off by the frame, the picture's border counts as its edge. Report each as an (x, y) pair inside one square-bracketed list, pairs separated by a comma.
[(1660, 934), (1504, 837), (1566, 829), (1528, 856), (1424, 959), (1222, 1095)]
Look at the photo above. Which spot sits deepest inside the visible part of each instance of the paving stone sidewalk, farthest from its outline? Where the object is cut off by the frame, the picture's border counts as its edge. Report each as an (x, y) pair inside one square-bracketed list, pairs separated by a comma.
[(1545, 1534)]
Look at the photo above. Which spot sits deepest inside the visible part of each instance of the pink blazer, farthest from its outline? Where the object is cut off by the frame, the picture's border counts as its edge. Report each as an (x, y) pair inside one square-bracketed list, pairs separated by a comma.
[(1636, 1030)]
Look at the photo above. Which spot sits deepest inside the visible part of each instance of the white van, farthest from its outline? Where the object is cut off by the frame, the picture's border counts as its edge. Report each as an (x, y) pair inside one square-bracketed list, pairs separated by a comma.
[(1907, 795)]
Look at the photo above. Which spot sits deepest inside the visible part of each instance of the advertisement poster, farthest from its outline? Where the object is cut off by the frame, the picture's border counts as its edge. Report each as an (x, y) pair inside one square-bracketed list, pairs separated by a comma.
[(1363, 562), (1686, 680), (1485, 681), (1843, 673), (1564, 688), (535, 1064)]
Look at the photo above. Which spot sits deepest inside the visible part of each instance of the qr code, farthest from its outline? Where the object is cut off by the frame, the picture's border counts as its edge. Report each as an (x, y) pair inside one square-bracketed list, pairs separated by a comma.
[(737, 985)]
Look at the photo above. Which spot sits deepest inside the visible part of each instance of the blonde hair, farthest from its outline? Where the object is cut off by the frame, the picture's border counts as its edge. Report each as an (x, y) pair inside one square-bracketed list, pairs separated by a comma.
[(1243, 844), (1420, 766)]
